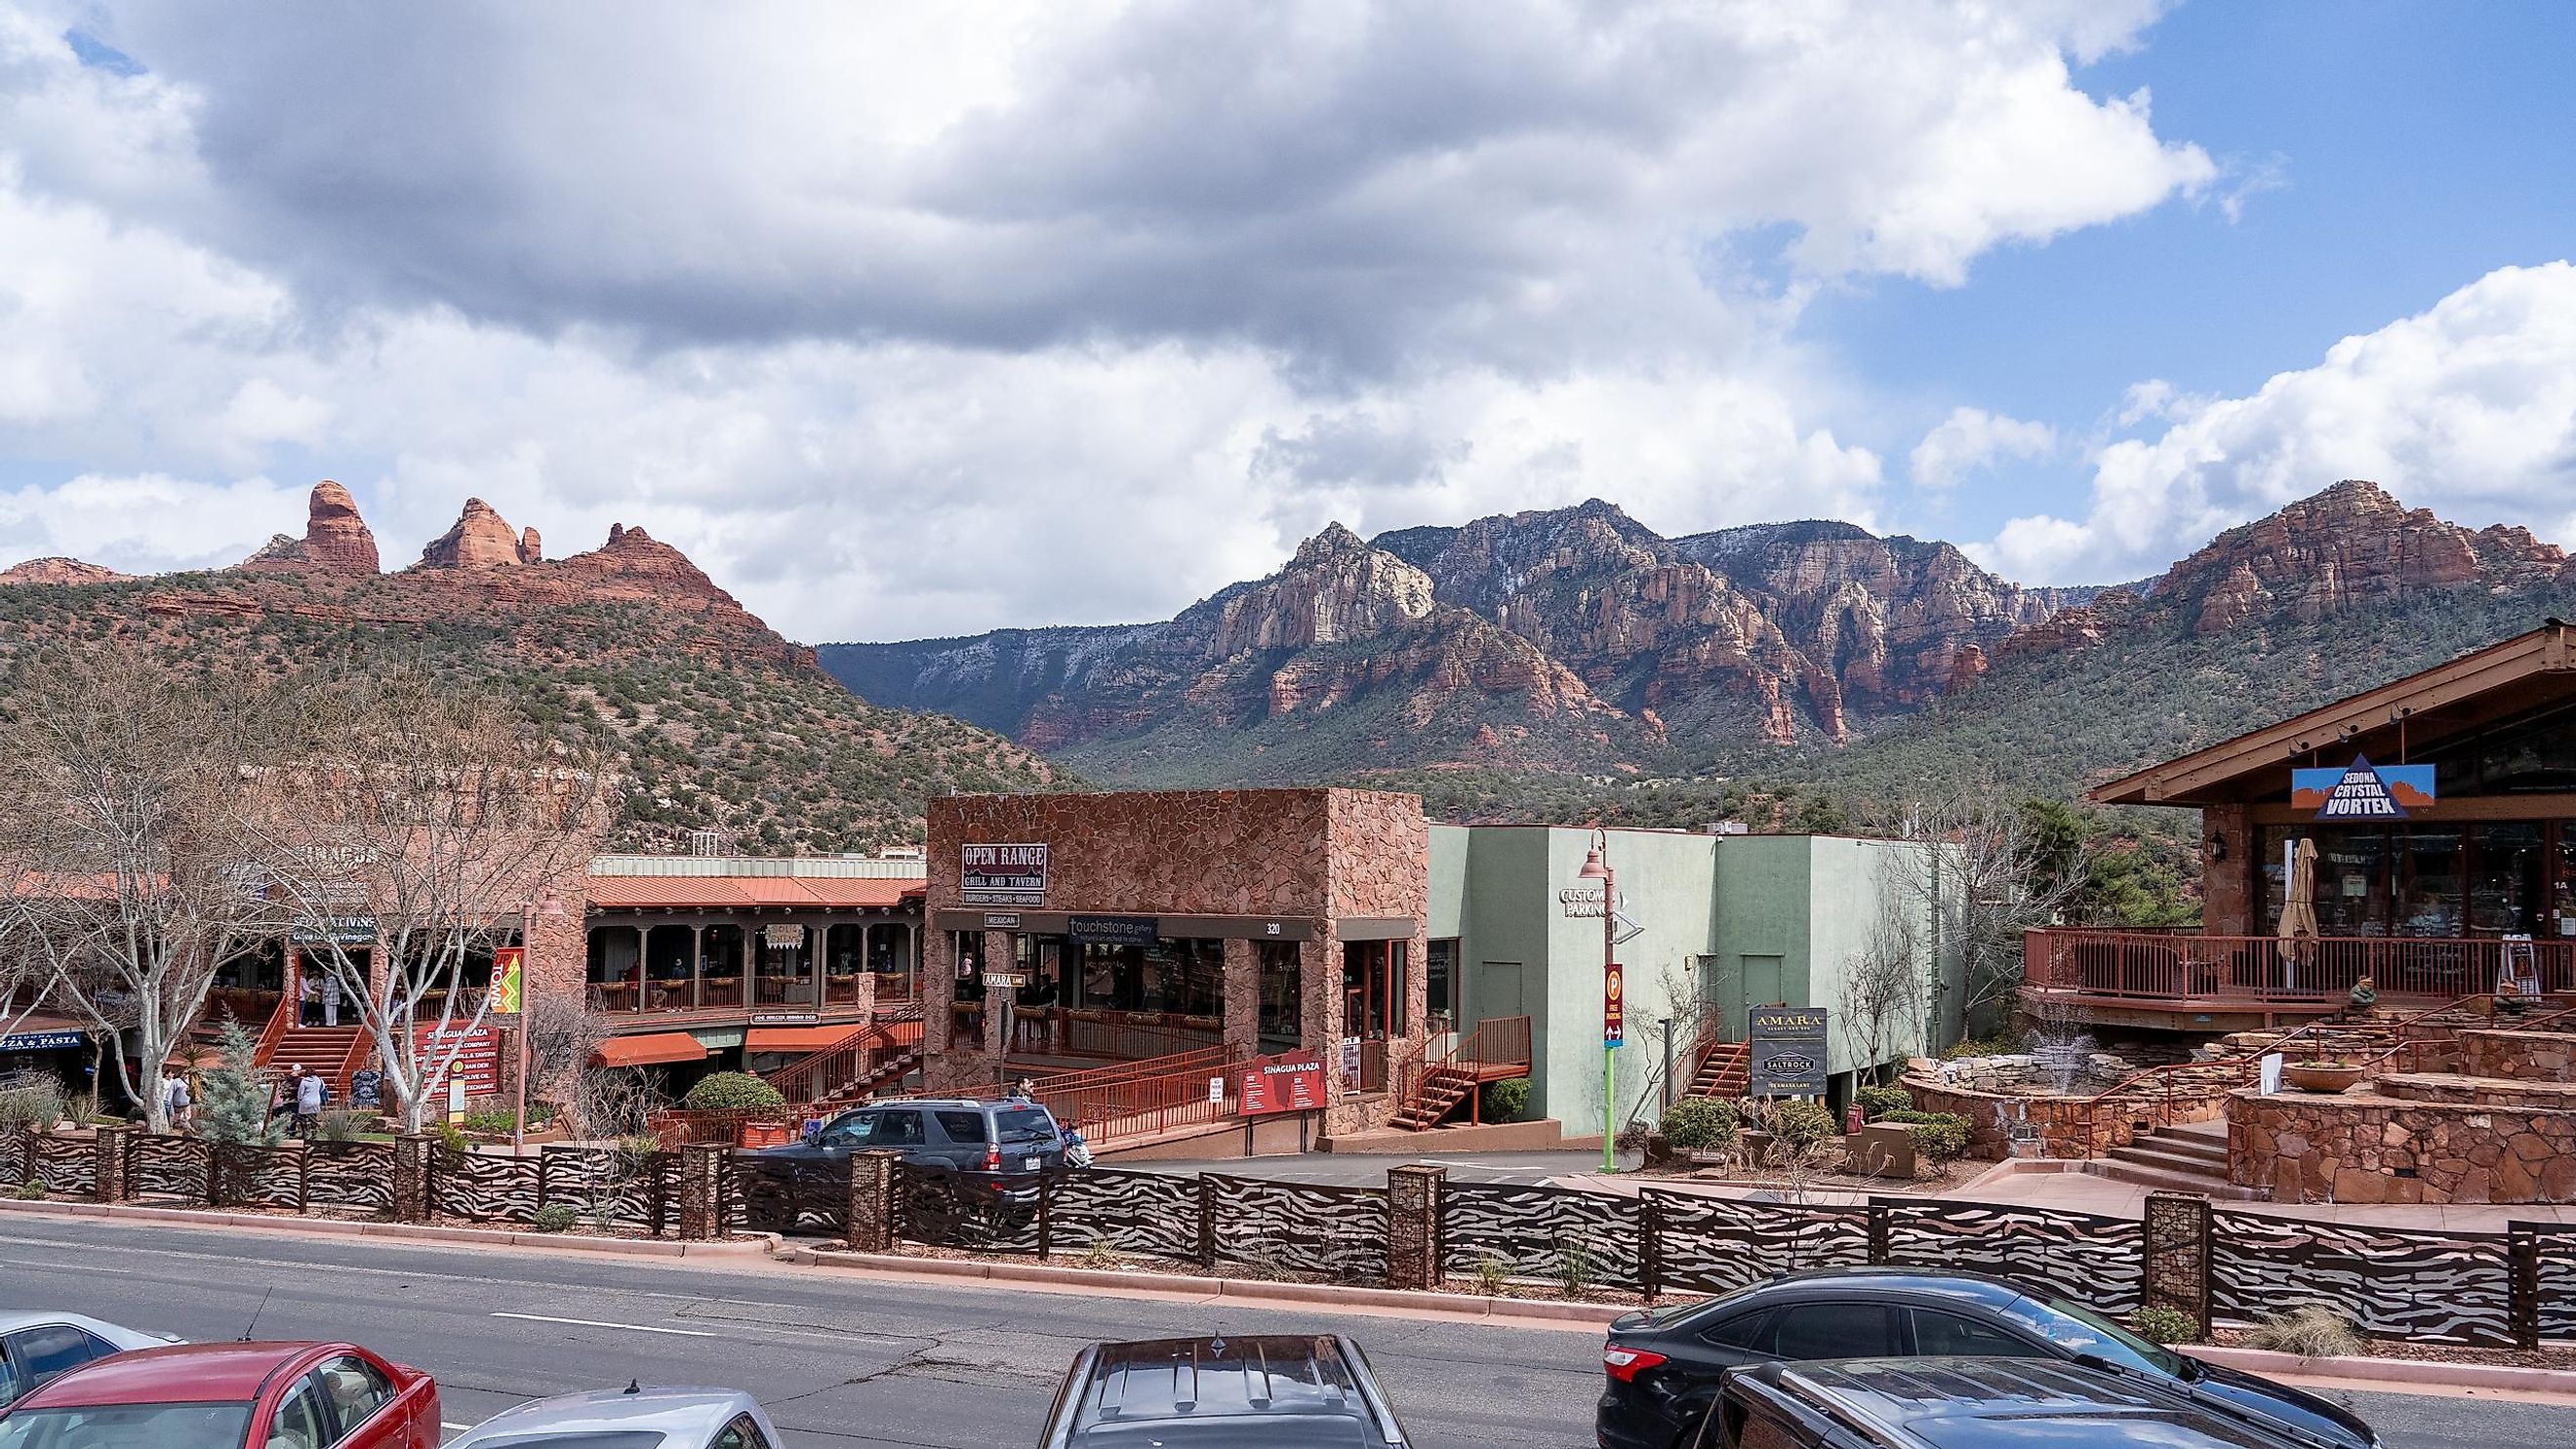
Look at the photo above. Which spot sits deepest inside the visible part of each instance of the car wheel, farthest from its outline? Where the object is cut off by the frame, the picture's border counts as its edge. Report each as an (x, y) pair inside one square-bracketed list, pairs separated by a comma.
[(1689, 1431)]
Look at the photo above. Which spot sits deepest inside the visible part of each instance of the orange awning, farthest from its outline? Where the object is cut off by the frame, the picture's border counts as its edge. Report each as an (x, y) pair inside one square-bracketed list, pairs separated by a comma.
[(657, 1046), (794, 1038)]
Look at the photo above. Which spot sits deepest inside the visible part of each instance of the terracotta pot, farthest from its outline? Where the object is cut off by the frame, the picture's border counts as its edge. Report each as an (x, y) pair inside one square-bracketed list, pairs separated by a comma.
[(2327, 1077)]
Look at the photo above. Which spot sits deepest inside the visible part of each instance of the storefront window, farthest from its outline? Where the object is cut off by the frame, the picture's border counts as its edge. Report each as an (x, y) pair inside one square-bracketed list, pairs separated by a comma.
[(970, 964), (2428, 889), (1373, 988), (1177, 978), (1439, 973), (2352, 883), (1283, 1012), (2505, 888)]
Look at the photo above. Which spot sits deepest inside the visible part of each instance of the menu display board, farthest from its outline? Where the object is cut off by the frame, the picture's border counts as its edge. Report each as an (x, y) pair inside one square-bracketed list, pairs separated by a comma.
[(478, 1058)]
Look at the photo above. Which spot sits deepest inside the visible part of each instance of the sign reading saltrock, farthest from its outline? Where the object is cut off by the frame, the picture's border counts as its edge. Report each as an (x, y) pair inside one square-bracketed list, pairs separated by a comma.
[(1788, 1056), (2362, 790), (1002, 875)]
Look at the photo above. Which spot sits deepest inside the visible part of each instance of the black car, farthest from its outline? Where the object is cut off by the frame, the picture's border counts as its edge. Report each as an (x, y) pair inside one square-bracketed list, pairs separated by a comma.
[(1974, 1403), (1663, 1366), (1003, 1136), (1185, 1393)]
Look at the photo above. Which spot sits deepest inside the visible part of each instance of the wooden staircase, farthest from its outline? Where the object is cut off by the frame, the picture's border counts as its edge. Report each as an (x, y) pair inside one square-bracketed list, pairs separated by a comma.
[(1725, 1071), (868, 1060), (1497, 1050), (330, 1052)]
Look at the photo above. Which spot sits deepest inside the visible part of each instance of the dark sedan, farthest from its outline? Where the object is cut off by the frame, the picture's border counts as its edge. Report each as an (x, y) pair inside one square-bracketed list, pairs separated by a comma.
[(1663, 1366)]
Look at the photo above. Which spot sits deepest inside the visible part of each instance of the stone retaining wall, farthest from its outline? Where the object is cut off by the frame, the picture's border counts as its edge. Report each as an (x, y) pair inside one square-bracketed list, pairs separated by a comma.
[(2359, 1147), (2523, 1056), (2067, 1126)]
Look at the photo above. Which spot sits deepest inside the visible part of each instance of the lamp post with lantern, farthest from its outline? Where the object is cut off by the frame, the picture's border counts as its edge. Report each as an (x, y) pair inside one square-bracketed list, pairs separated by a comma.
[(1596, 867)]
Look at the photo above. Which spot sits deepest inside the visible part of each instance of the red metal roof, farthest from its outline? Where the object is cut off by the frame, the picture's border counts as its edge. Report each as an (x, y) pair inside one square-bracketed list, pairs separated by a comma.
[(718, 892)]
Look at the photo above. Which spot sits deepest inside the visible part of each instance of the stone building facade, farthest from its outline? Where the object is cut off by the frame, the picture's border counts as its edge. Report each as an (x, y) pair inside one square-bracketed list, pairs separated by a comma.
[(1338, 877)]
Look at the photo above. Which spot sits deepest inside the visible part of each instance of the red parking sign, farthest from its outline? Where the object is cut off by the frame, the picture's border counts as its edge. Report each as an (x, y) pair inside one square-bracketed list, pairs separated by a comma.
[(1614, 1012)]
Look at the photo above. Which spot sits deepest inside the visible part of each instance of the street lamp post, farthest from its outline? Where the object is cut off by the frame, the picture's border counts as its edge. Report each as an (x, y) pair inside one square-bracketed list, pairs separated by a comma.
[(1596, 866), (527, 936)]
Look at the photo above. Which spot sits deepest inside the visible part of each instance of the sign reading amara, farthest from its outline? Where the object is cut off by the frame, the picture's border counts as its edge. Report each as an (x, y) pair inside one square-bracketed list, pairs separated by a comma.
[(1290, 1082), (2362, 790), (1788, 1056), (1003, 875)]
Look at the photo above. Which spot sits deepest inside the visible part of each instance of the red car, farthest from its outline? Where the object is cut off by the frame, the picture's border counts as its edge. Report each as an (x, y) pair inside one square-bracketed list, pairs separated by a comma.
[(230, 1396)]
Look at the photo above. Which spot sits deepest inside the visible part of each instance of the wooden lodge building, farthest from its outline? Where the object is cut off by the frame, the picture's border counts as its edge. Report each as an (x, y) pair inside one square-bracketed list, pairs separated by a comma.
[(2421, 835)]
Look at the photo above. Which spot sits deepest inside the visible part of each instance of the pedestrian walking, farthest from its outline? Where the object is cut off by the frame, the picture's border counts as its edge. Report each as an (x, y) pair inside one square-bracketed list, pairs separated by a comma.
[(175, 1101), (331, 1001), (310, 1093)]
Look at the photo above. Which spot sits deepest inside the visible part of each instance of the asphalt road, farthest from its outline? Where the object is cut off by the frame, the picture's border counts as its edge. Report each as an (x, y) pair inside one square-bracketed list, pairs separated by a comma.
[(837, 1358)]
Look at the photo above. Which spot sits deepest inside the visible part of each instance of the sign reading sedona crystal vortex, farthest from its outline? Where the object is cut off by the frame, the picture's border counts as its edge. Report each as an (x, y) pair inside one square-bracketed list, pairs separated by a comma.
[(1003, 875)]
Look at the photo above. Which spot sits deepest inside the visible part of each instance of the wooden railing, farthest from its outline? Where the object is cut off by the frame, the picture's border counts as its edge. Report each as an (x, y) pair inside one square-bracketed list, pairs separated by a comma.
[(849, 1059), (2157, 966), (1499, 1046), (279, 1019), (1143, 1098), (1132, 1036)]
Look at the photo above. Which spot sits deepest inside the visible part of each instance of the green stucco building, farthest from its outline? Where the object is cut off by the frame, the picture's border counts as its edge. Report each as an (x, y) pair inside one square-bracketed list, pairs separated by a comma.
[(1726, 922)]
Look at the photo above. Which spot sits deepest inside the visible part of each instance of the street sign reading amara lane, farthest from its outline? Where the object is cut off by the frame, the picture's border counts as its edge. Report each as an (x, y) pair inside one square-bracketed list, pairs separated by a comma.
[(1788, 1055)]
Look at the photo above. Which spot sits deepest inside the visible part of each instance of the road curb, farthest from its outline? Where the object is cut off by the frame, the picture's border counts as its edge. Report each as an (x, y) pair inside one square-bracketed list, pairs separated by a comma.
[(2499, 1378), (1247, 1290), (762, 1246)]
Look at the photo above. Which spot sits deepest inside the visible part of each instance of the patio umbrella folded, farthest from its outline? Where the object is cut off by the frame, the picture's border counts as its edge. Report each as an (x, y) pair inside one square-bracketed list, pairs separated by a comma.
[(2299, 910)]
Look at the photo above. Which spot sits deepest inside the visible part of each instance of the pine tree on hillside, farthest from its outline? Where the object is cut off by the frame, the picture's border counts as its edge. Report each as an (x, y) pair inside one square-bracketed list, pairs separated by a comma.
[(232, 1103)]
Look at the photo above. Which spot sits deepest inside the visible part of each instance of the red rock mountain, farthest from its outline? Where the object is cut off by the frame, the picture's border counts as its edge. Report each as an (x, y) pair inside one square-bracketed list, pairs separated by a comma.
[(1578, 638), (2348, 547), (718, 723)]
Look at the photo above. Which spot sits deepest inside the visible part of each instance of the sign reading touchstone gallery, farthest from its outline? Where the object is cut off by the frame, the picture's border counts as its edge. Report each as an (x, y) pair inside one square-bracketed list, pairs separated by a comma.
[(1002, 875), (1788, 1056)]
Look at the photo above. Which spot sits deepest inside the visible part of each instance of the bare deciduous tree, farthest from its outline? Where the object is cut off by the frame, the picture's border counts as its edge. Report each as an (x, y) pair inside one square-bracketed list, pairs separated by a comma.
[(129, 884), (1879, 1002), (439, 820), (1987, 878)]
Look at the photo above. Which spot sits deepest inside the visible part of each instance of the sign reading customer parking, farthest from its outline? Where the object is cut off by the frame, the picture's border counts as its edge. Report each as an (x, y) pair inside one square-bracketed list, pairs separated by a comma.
[(1788, 1055), (2361, 790), (1002, 875)]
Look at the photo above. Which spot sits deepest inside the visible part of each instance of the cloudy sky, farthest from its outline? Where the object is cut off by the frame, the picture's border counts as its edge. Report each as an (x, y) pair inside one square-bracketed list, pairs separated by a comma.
[(930, 319)]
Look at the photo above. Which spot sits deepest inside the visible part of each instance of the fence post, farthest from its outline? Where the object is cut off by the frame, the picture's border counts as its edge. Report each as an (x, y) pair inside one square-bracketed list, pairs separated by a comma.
[(1650, 1246), (2175, 1242), (872, 1176), (1046, 1210), (107, 1178), (1207, 1223), (545, 1176), (1413, 1203), (1881, 1219), (2522, 1278), (701, 1191), (304, 1176), (411, 1176)]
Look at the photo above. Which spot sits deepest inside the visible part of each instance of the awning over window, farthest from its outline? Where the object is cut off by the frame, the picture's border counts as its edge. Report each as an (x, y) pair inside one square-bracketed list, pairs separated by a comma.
[(650, 1047), (794, 1038)]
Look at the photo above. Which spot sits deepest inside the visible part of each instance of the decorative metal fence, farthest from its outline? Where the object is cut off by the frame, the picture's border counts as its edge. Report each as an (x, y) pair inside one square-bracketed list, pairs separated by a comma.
[(2393, 1282), (2516, 1288)]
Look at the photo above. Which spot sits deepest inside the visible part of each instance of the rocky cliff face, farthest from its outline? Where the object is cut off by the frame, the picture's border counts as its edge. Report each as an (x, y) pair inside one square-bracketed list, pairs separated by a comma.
[(2349, 546), (479, 539), (336, 540), (57, 571)]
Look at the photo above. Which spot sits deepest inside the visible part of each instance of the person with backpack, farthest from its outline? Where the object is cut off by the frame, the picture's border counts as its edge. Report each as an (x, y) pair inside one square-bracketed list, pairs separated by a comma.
[(175, 1100)]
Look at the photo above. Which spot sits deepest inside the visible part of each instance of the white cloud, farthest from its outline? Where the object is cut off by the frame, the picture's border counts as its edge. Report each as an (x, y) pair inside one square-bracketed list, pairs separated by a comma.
[(1970, 439), (921, 321), (2468, 408)]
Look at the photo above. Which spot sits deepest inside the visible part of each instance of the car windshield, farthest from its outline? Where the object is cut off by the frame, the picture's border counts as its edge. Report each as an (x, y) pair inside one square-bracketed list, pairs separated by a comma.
[(1025, 1124), (2081, 1330), (128, 1426)]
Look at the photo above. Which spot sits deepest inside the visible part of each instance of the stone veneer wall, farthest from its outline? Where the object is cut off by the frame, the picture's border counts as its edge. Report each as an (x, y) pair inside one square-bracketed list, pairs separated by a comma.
[(2353, 1147), (2524, 1056), (2067, 1126), (1313, 855), (2226, 906)]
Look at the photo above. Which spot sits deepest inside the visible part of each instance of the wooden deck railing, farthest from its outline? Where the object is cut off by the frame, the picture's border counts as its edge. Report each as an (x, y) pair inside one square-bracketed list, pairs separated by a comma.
[(1499, 1047), (2178, 967), (1131, 1099), (850, 1058)]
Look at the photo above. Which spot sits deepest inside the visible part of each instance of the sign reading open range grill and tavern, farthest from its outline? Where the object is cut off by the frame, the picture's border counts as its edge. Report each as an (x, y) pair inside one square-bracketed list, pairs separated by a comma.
[(1788, 1056), (1002, 875)]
